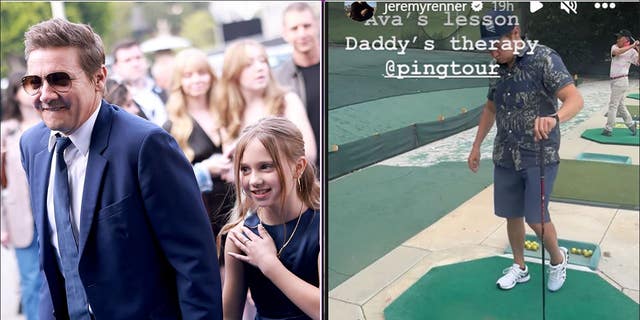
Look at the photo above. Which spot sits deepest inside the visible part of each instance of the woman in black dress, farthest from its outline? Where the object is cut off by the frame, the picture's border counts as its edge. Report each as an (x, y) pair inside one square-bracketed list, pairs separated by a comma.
[(193, 122)]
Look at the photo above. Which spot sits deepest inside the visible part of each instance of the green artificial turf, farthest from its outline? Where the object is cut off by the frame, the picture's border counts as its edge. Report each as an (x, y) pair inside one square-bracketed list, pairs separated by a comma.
[(467, 290), (597, 183), (374, 210)]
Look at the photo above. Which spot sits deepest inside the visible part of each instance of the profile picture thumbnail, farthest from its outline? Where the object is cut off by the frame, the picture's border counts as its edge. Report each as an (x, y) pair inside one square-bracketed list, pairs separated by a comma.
[(360, 10)]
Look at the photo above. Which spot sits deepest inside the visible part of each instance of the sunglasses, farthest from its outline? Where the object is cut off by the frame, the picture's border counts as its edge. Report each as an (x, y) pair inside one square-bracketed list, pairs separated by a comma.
[(58, 81)]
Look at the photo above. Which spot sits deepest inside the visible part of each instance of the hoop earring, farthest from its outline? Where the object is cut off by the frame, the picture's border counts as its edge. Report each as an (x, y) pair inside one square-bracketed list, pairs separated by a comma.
[(299, 184)]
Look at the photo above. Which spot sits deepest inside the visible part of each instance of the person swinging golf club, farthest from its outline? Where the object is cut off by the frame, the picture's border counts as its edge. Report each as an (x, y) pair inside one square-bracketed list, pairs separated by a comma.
[(624, 53), (522, 102)]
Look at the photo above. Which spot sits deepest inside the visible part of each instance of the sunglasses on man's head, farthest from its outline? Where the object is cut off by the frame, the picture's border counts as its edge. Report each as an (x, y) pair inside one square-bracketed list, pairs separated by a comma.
[(59, 81)]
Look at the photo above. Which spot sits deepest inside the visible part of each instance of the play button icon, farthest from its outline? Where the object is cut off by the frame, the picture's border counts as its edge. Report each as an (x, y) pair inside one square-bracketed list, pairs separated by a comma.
[(535, 6)]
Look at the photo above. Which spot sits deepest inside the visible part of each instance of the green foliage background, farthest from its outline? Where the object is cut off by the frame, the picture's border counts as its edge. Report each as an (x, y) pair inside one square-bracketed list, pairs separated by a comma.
[(584, 40), (14, 21), (111, 20), (17, 17)]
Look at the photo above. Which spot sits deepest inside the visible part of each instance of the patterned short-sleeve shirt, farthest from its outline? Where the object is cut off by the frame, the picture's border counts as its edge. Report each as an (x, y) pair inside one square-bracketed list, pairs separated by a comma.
[(520, 94)]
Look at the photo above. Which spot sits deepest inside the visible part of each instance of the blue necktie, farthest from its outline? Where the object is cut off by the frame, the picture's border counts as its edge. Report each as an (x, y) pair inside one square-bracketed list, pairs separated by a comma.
[(67, 234), (68, 237)]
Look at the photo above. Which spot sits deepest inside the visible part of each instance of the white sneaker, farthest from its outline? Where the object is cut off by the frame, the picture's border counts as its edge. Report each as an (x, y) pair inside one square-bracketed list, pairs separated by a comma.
[(512, 276), (558, 273)]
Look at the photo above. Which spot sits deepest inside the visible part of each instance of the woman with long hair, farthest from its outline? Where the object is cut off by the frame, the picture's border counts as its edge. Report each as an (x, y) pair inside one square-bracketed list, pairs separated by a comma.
[(193, 122), (247, 92)]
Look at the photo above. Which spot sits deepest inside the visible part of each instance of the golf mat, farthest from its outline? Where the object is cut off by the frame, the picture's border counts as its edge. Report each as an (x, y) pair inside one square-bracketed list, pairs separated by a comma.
[(467, 290), (603, 157), (589, 260), (621, 136), (634, 96), (597, 183), (374, 210)]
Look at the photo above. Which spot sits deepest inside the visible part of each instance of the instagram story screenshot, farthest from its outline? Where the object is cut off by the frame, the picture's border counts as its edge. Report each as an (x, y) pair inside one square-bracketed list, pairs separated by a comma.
[(320, 160), (482, 159), (161, 160)]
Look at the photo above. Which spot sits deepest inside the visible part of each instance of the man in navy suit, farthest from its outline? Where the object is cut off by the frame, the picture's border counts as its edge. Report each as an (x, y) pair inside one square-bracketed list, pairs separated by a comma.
[(123, 233)]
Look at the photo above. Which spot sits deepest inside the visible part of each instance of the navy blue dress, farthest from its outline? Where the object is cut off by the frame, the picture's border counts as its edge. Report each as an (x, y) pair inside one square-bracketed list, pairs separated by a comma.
[(300, 256)]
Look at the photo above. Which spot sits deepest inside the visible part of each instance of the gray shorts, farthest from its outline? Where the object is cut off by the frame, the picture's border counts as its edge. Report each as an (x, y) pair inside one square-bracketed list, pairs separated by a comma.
[(517, 193)]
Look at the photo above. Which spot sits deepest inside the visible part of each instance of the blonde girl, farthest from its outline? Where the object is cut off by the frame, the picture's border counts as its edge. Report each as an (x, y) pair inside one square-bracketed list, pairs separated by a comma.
[(273, 246)]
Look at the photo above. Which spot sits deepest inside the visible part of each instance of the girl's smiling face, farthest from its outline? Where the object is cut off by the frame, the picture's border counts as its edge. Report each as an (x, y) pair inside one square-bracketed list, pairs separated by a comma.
[(260, 177)]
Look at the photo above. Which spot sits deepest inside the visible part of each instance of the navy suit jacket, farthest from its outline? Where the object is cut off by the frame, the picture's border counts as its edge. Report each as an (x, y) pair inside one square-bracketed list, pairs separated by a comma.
[(146, 247)]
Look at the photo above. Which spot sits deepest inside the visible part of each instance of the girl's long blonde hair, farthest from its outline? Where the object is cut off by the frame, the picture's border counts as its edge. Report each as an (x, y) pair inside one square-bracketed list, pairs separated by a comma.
[(177, 113), (283, 140), (228, 92)]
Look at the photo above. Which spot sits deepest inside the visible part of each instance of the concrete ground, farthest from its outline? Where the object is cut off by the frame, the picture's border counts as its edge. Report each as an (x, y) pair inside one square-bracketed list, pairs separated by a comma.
[(471, 232)]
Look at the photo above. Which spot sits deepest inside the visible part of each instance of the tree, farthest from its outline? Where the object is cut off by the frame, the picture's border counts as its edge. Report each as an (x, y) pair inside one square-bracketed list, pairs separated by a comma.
[(583, 41), (173, 13), (17, 17), (96, 14), (198, 27)]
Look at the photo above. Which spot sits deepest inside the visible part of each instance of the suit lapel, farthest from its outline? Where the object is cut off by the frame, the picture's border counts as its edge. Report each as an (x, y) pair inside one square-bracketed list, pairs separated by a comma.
[(40, 184), (95, 171)]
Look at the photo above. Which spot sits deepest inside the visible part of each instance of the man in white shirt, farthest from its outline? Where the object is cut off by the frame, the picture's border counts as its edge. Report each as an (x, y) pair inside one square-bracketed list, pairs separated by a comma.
[(131, 67), (623, 54)]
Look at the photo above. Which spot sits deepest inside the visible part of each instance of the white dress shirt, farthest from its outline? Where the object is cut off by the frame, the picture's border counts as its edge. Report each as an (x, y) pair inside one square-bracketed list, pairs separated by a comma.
[(76, 157), (150, 103)]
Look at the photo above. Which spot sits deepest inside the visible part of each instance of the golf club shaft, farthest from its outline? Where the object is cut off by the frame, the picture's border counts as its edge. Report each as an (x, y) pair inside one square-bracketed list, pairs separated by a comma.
[(542, 213)]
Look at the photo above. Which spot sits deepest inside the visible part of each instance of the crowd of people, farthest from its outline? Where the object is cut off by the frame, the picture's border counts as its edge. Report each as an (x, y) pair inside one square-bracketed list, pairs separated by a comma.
[(137, 196)]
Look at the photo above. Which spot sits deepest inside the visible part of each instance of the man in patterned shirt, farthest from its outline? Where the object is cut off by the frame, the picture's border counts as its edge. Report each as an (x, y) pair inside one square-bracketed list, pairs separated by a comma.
[(623, 54), (522, 102)]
